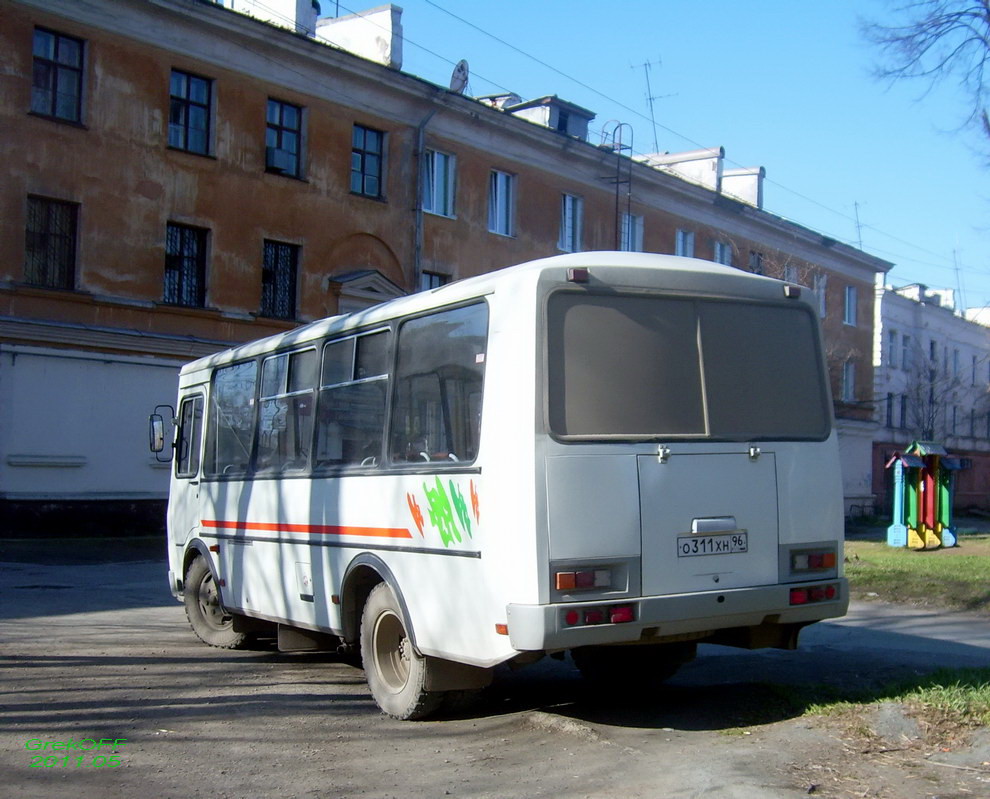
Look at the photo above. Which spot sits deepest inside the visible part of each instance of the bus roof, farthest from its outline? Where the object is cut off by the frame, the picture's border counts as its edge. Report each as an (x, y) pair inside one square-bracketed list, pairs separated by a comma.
[(469, 288)]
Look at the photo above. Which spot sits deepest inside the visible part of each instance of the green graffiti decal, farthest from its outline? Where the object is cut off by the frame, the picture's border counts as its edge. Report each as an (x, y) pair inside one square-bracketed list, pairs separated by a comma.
[(460, 505), (442, 514)]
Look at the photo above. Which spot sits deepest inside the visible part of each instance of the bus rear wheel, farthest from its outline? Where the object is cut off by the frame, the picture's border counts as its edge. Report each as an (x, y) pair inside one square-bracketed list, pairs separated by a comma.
[(396, 673), (209, 619)]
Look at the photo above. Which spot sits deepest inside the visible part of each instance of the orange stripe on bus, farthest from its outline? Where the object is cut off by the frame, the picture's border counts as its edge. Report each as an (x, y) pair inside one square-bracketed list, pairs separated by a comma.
[(312, 529)]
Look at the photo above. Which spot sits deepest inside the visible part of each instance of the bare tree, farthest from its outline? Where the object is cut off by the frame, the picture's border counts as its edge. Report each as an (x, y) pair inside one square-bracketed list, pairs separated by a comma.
[(940, 401), (940, 40)]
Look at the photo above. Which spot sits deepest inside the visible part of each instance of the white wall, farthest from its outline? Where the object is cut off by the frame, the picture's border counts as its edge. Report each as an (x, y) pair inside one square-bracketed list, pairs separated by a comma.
[(856, 460), (74, 425), (926, 323)]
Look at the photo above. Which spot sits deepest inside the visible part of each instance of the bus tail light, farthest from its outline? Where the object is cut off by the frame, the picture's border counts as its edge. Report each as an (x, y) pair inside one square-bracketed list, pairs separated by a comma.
[(583, 580), (621, 614), (813, 560), (614, 614), (814, 593)]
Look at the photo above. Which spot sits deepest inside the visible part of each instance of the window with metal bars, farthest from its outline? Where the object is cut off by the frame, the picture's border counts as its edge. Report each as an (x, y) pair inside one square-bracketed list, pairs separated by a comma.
[(185, 266), (278, 280), (57, 69), (189, 112), (50, 243)]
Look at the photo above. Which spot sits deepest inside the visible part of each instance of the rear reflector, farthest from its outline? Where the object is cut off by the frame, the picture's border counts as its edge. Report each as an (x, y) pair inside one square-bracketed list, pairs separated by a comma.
[(815, 593), (502, 629), (616, 614), (596, 616)]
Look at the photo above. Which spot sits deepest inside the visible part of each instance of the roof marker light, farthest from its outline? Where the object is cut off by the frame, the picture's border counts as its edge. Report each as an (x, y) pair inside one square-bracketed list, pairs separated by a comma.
[(578, 274), (792, 292)]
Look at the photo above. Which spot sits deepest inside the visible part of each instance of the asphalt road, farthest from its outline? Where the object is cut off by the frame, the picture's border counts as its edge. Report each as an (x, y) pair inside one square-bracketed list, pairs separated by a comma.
[(94, 650)]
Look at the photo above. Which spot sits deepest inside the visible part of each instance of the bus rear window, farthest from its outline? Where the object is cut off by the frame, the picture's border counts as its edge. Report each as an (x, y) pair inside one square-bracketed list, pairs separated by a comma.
[(637, 367)]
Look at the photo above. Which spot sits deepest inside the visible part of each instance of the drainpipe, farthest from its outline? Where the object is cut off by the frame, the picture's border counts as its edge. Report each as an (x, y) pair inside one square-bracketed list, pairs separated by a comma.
[(418, 210)]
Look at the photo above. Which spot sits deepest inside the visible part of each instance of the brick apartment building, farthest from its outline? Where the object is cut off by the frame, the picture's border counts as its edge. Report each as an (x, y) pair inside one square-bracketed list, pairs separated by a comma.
[(180, 176)]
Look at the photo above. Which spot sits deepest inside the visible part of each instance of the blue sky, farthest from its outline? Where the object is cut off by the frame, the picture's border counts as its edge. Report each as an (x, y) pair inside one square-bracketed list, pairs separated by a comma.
[(784, 84)]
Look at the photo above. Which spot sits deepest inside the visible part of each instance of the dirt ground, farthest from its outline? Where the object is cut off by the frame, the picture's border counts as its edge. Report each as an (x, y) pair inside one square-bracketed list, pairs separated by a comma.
[(97, 650)]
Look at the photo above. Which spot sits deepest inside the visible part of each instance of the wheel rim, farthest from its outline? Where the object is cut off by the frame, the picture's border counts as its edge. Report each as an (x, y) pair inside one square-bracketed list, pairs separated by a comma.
[(208, 599), (391, 652)]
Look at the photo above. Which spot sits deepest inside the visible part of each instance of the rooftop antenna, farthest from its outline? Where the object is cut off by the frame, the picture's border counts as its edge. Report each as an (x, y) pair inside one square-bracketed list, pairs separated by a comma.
[(961, 303), (650, 97), (859, 226)]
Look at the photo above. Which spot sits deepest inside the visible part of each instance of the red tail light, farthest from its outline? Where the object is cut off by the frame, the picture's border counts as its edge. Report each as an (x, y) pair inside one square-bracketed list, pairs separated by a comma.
[(814, 593), (621, 614)]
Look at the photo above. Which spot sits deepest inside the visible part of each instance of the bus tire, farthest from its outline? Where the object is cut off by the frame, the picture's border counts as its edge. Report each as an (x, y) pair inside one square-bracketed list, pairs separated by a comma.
[(396, 673), (211, 622), (631, 668)]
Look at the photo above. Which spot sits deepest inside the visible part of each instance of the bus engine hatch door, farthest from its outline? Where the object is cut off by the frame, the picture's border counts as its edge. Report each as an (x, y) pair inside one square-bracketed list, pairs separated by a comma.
[(708, 521)]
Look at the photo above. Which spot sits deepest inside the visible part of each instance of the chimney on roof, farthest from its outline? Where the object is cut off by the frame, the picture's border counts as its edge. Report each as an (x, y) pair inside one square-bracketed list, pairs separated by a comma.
[(554, 113), (296, 15), (375, 34)]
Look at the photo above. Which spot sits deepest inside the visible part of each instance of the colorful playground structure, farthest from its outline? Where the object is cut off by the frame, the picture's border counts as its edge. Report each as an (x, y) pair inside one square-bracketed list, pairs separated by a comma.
[(923, 491)]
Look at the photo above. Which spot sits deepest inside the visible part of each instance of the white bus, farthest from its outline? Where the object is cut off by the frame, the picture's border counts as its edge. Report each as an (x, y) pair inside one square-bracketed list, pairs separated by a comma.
[(619, 455)]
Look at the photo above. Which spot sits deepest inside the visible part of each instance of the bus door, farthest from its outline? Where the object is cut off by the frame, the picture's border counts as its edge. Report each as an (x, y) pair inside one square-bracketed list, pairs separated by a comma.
[(184, 503)]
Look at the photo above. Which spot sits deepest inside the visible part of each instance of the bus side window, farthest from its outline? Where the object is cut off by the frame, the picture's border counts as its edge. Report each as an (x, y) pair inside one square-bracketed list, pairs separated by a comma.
[(188, 441), (351, 412), (440, 369), (230, 426), (285, 425)]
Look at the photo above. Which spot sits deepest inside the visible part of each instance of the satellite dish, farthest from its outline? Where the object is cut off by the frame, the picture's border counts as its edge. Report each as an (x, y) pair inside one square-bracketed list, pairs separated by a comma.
[(459, 77)]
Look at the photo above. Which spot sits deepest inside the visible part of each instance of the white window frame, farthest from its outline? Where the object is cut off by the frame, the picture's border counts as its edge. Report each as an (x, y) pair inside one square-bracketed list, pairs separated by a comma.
[(849, 381), (631, 233), (684, 243), (439, 183), (723, 252), (892, 349), (501, 203), (849, 307), (571, 213), (820, 289)]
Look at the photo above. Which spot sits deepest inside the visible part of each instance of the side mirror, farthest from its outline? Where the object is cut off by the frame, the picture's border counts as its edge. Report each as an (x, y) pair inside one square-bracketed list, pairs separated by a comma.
[(156, 433)]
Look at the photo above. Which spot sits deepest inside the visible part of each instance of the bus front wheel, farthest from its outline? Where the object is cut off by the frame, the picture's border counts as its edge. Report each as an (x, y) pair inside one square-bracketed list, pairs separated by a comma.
[(208, 618), (396, 673)]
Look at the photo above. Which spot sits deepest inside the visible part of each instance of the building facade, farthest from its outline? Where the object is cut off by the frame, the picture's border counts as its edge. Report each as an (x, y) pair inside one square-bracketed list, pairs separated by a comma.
[(182, 176), (932, 372)]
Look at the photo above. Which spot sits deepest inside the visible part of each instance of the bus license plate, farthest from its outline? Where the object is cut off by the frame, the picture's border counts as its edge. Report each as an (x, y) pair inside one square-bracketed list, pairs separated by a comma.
[(690, 546)]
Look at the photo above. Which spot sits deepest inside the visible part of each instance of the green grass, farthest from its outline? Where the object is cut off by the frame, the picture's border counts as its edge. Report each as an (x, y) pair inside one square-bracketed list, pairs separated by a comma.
[(957, 577), (962, 695)]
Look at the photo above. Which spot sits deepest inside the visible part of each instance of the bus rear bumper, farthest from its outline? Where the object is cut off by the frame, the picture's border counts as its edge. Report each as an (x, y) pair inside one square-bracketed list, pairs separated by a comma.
[(656, 618)]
